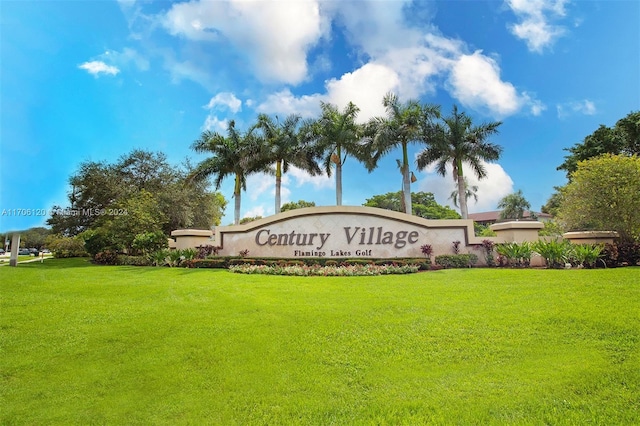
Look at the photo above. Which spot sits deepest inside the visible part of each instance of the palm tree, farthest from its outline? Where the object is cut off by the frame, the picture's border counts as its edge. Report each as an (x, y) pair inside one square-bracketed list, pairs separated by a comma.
[(403, 124), (236, 154), (286, 147), (457, 142), (470, 191), (513, 206), (335, 135)]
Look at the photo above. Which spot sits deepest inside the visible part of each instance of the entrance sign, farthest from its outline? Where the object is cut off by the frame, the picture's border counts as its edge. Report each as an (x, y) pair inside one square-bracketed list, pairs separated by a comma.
[(344, 231)]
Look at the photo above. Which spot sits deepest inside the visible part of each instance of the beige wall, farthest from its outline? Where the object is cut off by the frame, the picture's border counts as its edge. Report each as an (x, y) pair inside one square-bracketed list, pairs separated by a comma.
[(349, 231), (591, 237), (191, 238)]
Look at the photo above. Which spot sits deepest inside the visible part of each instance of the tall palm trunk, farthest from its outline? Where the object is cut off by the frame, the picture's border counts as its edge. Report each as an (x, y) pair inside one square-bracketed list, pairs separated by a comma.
[(462, 191), (406, 182), (278, 184), (338, 177), (236, 194)]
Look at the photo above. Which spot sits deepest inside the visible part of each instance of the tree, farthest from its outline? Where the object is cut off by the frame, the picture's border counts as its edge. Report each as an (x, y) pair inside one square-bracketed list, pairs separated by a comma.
[(553, 203), (32, 237), (403, 124), (604, 194), (423, 205), (285, 147), (249, 219), (623, 138), (98, 187), (336, 135), (470, 191), (456, 142), (237, 154), (513, 206), (292, 205)]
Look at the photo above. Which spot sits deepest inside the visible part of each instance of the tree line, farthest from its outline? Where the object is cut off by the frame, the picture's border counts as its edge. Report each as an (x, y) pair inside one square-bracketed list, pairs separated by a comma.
[(133, 204), (323, 145)]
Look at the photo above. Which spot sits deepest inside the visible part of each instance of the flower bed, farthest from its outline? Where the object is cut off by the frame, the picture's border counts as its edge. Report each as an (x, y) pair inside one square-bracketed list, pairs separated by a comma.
[(326, 271)]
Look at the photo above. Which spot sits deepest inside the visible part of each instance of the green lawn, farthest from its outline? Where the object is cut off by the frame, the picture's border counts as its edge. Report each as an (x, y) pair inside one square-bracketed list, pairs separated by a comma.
[(84, 344)]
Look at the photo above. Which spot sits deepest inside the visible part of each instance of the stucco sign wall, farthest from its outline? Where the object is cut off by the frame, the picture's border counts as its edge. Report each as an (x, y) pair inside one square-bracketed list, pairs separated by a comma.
[(343, 231)]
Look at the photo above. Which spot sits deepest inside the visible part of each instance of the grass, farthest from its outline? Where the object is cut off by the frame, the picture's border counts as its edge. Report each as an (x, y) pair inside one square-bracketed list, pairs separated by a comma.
[(84, 344)]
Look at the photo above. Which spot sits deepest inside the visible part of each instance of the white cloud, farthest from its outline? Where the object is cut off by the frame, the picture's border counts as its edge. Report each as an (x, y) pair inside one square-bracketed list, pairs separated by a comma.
[(318, 182), (585, 107), (273, 37), (284, 102), (259, 184), (255, 210), (98, 67), (475, 81), (534, 27), (214, 124), (365, 87), (225, 99), (491, 189)]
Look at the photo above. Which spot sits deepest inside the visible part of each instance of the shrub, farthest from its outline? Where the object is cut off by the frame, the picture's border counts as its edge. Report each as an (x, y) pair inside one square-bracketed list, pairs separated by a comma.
[(514, 254), (487, 250), (628, 253), (174, 258), (96, 241), (554, 253), (106, 257), (427, 250), (221, 262), (456, 247), (207, 251), (350, 262), (621, 254), (66, 246), (610, 255), (149, 242), (586, 254), (456, 260), (159, 258)]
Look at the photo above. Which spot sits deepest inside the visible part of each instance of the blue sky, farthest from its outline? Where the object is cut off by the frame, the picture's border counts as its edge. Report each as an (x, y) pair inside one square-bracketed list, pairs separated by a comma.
[(94, 80)]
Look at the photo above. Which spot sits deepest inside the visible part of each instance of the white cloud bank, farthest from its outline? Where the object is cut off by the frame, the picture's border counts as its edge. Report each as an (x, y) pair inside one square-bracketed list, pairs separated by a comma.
[(273, 36), (410, 62)]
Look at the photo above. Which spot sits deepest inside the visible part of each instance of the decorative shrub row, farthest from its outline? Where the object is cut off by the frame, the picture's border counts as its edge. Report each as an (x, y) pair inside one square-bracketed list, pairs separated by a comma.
[(465, 260), (368, 269)]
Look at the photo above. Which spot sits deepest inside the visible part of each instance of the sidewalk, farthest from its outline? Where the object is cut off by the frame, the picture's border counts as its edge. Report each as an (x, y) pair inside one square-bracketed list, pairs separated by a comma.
[(4, 259)]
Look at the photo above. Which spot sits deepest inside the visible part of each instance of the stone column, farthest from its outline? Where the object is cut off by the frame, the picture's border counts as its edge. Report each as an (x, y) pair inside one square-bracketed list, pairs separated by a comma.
[(15, 246)]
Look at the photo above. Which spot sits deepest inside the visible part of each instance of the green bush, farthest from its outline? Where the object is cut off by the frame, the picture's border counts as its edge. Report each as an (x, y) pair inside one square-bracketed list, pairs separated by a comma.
[(514, 254), (219, 263), (66, 246), (149, 242), (586, 254), (466, 260), (106, 257), (555, 253), (350, 262)]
